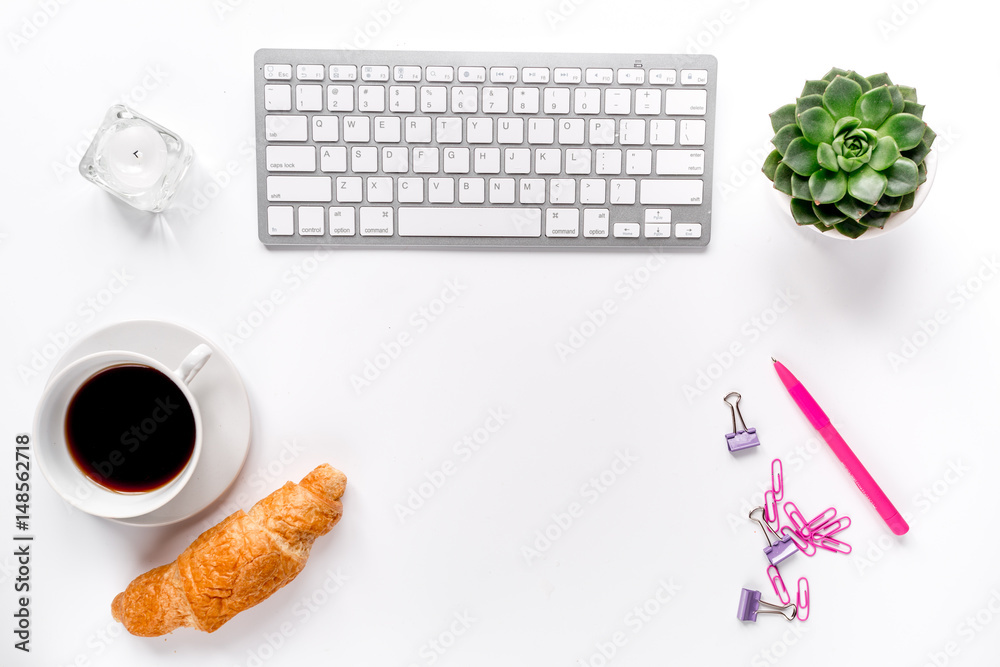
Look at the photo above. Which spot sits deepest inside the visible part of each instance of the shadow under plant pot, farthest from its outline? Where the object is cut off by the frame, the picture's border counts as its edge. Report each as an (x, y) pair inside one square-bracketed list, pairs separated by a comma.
[(894, 221)]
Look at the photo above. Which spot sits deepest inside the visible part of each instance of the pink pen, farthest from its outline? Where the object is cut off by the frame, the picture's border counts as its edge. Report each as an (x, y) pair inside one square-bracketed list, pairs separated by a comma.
[(861, 477)]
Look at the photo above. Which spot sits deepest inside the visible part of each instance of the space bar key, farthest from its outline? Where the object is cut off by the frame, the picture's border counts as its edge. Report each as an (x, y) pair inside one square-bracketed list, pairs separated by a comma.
[(469, 221)]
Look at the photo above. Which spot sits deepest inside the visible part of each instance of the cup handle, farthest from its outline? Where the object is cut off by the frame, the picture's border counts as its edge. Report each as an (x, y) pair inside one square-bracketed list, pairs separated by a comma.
[(193, 362)]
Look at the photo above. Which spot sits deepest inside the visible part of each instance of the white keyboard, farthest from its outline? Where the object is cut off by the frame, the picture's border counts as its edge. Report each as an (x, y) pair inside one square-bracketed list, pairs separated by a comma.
[(400, 148)]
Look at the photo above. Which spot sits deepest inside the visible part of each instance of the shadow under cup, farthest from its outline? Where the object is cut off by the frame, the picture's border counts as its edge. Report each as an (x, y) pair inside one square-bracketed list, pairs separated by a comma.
[(118, 434)]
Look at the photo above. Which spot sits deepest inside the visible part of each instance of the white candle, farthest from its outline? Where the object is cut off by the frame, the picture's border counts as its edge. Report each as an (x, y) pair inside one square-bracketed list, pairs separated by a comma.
[(136, 157)]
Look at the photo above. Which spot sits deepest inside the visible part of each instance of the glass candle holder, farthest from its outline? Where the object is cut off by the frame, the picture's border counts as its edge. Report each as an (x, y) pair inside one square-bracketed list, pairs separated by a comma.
[(137, 160)]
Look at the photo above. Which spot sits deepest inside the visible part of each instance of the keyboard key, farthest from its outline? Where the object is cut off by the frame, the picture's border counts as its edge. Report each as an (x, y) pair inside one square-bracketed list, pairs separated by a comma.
[(623, 191), (609, 162), (686, 102), (692, 133), (648, 101), (376, 221), (532, 191), (387, 129), (631, 76), (632, 132), (464, 99), (639, 162), (657, 215), (680, 163), (311, 220), (364, 159), (661, 132), (278, 97), (487, 161), (656, 230), (472, 74), (406, 73), (541, 131), (456, 160), (357, 129), (425, 160), (418, 130), (349, 189), (472, 190), (343, 72), (280, 220), (291, 158), (517, 161), (325, 128), (342, 221), (448, 130), (600, 75), (534, 74), (333, 159), (410, 190), (626, 230), (403, 99), (440, 74), (502, 190), (285, 128), (433, 99), (526, 100), (694, 77), (299, 188), (663, 77), (548, 160), (470, 222), (277, 72), (503, 75), (562, 191), (688, 230), (602, 131), (667, 191), (495, 100), (479, 130), (562, 222), (578, 161), (310, 72), (371, 99), (379, 190), (510, 131), (568, 75), (395, 160), (571, 131), (440, 191), (595, 222), (556, 100), (340, 98), (375, 73), (617, 101), (309, 98), (593, 190), (587, 101)]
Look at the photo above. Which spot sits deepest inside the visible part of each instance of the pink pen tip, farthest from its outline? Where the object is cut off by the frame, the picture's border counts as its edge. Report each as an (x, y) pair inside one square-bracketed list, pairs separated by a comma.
[(898, 524)]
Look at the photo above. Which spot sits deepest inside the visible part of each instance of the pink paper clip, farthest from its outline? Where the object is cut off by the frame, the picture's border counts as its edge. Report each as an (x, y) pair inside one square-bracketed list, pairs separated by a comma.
[(778, 584), (802, 600), (831, 544), (795, 516), (820, 521), (777, 479), (804, 545), (832, 528), (771, 511)]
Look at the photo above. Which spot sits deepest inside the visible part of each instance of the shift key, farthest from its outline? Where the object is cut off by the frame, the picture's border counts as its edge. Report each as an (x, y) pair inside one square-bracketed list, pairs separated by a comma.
[(670, 191), (300, 188)]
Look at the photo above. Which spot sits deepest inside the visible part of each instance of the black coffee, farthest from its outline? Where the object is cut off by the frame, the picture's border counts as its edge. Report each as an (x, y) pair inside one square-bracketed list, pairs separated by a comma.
[(130, 429)]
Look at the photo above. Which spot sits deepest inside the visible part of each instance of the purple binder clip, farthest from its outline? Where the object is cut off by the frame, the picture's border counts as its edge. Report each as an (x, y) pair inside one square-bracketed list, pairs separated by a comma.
[(751, 605), (739, 440), (778, 549)]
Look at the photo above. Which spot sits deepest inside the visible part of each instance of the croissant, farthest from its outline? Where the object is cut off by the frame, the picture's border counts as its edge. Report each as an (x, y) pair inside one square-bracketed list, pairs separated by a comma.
[(236, 564)]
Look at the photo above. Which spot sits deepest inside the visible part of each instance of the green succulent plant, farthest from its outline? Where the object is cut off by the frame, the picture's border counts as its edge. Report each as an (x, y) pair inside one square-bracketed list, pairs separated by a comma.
[(850, 151)]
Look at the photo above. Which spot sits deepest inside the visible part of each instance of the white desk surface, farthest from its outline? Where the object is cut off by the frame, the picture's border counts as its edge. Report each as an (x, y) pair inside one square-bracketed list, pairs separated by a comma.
[(926, 428)]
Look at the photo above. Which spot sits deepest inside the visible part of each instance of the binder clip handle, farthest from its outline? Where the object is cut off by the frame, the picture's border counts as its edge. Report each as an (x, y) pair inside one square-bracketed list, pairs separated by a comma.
[(735, 409)]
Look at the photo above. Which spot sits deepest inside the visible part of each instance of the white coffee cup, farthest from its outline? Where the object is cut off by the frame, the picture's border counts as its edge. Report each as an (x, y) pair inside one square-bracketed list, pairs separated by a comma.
[(52, 451)]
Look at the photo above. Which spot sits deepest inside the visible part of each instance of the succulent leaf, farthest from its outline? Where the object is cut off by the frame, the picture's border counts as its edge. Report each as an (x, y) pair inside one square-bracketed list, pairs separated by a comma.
[(832, 74), (827, 157), (921, 173), (802, 212), (841, 96), (881, 79), (866, 185), (826, 187), (807, 102), (785, 136), (906, 203), (850, 229), (913, 108), (783, 179), (814, 87), (905, 128), (782, 117), (845, 125), (898, 103), (817, 125), (888, 204), (874, 107), (771, 164), (919, 154), (860, 80), (849, 164), (886, 152), (875, 219), (852, 208), (909, 94), (801, 157), (800, 187), (828, 214)]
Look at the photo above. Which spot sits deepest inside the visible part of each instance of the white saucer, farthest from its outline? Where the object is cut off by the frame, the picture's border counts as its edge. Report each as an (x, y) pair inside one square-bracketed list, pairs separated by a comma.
[(225, 409)]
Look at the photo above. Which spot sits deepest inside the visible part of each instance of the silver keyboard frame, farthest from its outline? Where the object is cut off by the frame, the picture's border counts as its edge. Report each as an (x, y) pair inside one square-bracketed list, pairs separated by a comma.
[(700, 213)]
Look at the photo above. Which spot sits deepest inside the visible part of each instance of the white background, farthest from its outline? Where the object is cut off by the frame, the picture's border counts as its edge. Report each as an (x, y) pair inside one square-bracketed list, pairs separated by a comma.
[(676, 514)]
